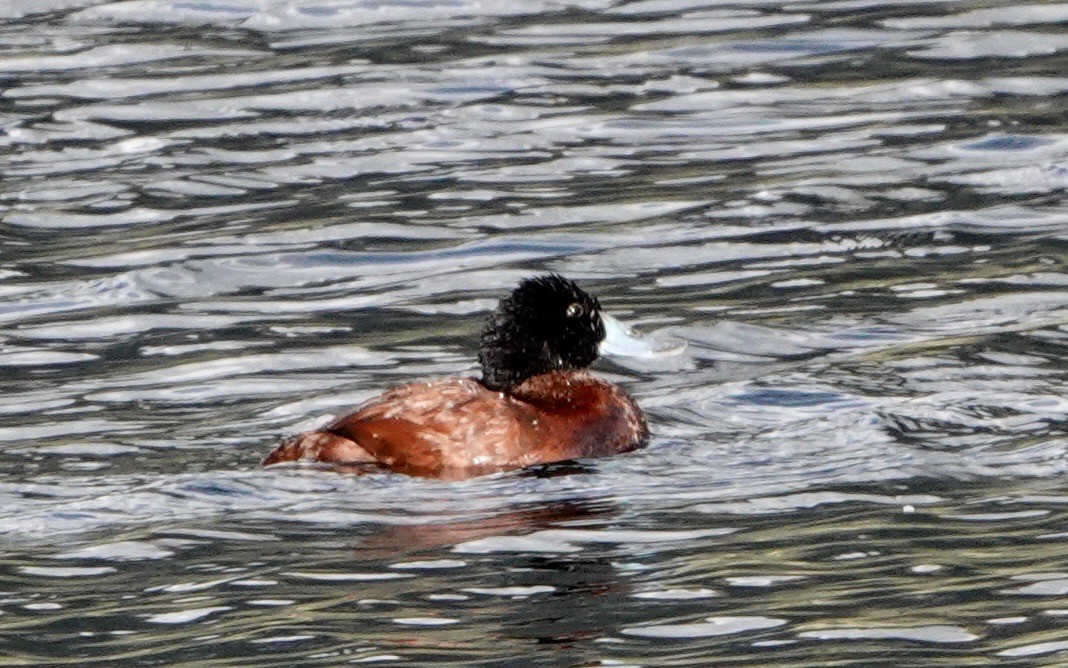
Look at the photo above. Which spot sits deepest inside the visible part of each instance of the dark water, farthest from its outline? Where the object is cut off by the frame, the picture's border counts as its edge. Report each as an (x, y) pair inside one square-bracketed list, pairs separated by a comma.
[(224, 220)]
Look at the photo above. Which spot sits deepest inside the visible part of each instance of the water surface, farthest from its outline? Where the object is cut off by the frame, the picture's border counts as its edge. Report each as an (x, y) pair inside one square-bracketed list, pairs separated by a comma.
[(221, 221)]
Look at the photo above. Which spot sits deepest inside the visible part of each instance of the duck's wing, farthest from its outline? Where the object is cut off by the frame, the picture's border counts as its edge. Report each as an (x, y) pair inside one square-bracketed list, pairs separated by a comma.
[(453, 427)]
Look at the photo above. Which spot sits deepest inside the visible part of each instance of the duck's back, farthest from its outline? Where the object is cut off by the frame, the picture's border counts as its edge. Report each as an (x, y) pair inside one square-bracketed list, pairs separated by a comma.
[(459, 428)]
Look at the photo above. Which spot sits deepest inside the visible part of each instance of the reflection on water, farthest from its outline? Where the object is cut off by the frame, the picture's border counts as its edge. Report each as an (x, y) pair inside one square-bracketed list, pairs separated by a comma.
[(222, 221)]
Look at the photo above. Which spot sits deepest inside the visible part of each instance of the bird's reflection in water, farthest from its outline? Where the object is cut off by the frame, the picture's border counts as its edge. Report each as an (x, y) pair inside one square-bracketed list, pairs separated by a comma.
[(404, 541), (567, 595)]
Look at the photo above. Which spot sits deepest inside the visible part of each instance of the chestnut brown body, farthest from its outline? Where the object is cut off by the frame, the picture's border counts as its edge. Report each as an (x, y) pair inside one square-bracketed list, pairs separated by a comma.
[(458, 428)]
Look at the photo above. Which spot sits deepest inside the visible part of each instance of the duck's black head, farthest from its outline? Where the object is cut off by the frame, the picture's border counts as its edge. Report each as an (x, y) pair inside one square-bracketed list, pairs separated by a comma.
[(548, 323)]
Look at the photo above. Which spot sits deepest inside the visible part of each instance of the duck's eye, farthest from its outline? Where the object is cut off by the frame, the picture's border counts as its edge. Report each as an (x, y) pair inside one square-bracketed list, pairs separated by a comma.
[(575, 310)]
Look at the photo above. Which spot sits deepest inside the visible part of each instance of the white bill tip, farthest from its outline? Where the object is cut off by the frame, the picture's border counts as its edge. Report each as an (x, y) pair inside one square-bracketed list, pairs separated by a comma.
[(621, 341)]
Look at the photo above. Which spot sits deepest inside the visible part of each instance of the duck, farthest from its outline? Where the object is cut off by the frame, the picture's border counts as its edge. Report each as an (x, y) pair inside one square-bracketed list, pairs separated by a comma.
[(536, 402)]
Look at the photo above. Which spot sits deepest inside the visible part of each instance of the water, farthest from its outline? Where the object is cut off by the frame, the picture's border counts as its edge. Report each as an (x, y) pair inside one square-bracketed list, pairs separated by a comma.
[(224, 220)]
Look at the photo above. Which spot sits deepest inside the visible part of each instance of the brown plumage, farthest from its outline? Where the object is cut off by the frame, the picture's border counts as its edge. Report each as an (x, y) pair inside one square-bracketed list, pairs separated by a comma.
[(458, 428), (534, 404)]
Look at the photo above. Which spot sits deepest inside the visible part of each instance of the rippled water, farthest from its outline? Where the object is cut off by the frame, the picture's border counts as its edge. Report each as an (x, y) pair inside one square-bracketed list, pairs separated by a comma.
[(224, 220)]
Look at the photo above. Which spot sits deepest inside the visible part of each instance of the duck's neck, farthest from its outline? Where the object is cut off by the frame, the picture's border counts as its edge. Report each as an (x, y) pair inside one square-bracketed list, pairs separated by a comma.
[(504, 369), (510, 357)]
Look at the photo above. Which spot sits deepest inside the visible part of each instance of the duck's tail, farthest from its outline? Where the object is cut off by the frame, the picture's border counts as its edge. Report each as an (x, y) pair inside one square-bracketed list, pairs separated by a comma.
[(319, 446)]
